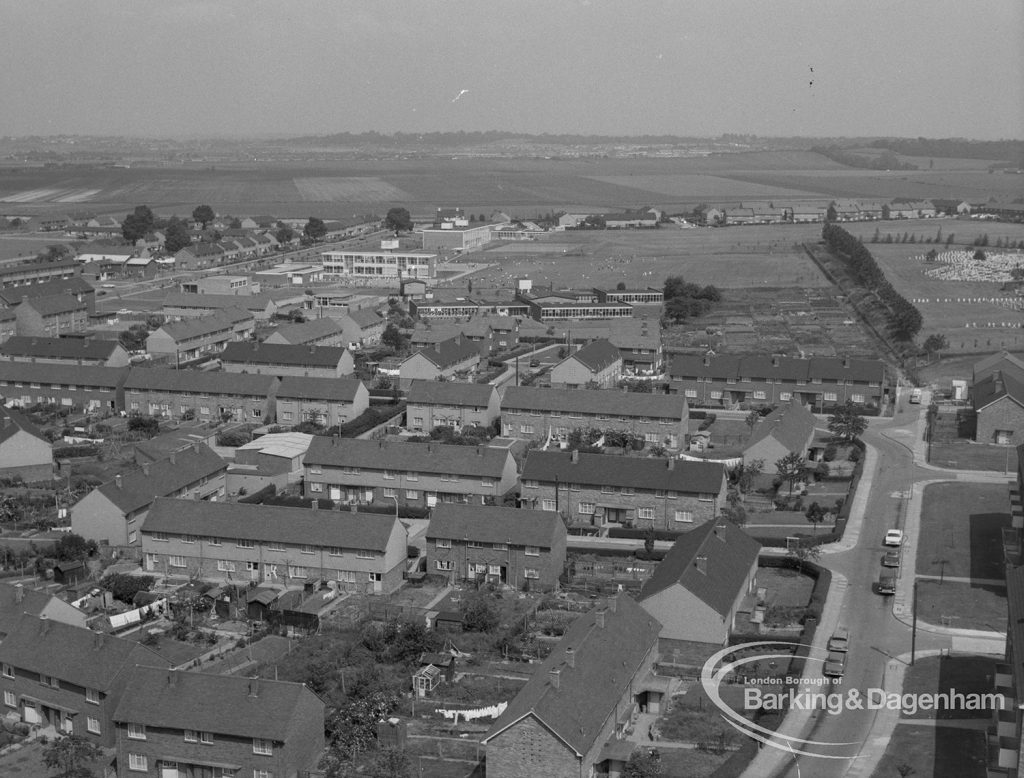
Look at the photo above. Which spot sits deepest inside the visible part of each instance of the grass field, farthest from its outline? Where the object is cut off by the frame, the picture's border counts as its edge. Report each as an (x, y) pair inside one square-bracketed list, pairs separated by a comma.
[(961, 523), (965, 674), (937, 752)]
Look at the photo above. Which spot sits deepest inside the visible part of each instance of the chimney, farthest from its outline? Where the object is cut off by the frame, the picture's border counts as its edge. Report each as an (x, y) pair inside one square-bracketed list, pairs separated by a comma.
[(19, 593), (575, 456), (553, 675), (44, 625), (145, 468), (570, 657), (195, 446), (7, 421), (172, 678), (172, 457), (720, 532), (701, 563), (254, 687), (671, 463), (846, 361), (775, 360), (707, 360), (314, 504), (997, 381), (97, 641), (118, 481), (599, 617)]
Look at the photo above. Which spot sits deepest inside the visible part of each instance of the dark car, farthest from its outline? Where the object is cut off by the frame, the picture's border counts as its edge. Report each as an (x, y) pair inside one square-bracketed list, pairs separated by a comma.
[(534, 363), (835, 664), (887, 584), (891, 559)]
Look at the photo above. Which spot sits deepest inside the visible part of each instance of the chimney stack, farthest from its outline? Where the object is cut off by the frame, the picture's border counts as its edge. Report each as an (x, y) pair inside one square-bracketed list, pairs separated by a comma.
[(846, 361), (254, 687), (613, 603), (19, 593), (702, 564), (553, 675), (707, 360), (599, 617), (570, 657), (118, 481), (720, 532), (44, 625), (671, 463), (172, 457), (575, 456), (775, 360)]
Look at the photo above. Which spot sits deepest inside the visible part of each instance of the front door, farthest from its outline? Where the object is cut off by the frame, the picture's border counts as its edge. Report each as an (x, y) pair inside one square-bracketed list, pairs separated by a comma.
[(169, 770), (335, 493), (151, 561), (30, 713), (67, 725)]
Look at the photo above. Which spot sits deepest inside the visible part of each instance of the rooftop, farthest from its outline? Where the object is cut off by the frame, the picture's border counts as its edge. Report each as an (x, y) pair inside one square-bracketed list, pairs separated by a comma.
[(678, 475), (405, 457), (282, 354), (136, 489), (492, 524)]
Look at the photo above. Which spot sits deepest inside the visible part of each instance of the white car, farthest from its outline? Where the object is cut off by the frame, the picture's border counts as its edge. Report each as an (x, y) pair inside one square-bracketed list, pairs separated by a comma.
[(894, 537)]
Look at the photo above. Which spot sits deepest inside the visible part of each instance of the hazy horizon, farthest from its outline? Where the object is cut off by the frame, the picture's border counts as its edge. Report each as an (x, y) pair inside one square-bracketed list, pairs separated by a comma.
[(234, 69)]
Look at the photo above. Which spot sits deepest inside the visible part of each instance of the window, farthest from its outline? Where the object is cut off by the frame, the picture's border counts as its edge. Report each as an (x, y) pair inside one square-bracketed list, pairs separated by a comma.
[(373, 577), (214, 541), (275, 545), (361, 554), (444, 543), (412, 494), (206, 738), (499, 546), (314, 470), (133, 536), (629, 491), (857, 398), (760, 394), (412, 476), (417, 421), (389, 475), (475, 544), (444, 564), (295, 571), (487, 483), (645, 513), (831, 397), (188, 538), (136, 731), (307, 550), (388, 492), (8, 671), (191, 736), (314, 486), (607, 489), (49, 680), (138, 762), (531, 484), (526, 429), (92, 696), (685, 516), (225, 566), (532, 551), (92, 724), (347, 576), (547, 505), (691, 393), (286, 415), (176, 561), (244, 543), (262, 747), (333, 551), (256, 413), (587, 508), (258, 773), (716, 394), (706, 497), (530, 572), (785, 396), (10, 699)]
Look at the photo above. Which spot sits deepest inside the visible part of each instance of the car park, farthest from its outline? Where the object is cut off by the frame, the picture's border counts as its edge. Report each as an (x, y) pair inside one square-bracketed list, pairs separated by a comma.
[(835, 664), (840, 640), (891, 559), (894, 537)]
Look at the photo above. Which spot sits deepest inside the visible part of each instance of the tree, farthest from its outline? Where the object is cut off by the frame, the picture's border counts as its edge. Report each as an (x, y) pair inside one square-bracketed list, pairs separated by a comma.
[(70, 754), (831, 214), (815, 514), (847, 422), (147, 425), (284, 233), (1017, 273), (649, 541), (479, 613), (124, 587), (203, 214), (801, 554), (790, 468), (72, 546), (394, 339), (391, 763), (751, 419), (643, 764), (979, 255), (621, 286), (176, 236), (55, 252), (934, 344), (399, 220), (315, 229), (235, 223), (749, 470), (137, 224)]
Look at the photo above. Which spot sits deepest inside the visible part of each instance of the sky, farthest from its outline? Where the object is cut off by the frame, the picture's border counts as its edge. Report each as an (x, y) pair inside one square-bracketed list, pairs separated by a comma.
[(186, 68)]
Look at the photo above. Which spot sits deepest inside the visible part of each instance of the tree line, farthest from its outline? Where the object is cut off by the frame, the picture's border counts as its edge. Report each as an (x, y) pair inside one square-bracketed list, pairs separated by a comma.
[(904, 319)]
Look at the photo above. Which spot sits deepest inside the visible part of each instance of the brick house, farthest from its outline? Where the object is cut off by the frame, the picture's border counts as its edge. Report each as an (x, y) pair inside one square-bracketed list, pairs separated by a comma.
[(520, 548), (537, 413), (787, 429), (698, 589), (192, 338), (417, 474), (326, 401), (24, 451), (999, 408), (59, 675), (173, 723), (73, 286), (238, 542), (448, 404), (84, 387), (361, 327), (727, 380), (52, 316), (115, 511), (444, 361), (204, 395), (280, 359), (431, 333), (1003, 361), (37, 272), (324, 331), (74, 351), (571, 717), (17, 600), (602, 491), (598, 363)]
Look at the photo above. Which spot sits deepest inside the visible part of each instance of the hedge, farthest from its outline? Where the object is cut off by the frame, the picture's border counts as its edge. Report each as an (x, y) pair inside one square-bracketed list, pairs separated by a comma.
[(367, 420), (642, 534), (75, 451), (258, 497)]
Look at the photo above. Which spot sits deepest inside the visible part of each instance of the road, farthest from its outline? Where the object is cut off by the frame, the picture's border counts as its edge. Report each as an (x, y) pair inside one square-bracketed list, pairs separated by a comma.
[(877, 636)]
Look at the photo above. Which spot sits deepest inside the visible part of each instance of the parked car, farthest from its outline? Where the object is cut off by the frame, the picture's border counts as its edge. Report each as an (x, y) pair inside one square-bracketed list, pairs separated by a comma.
[(840, 640), (887, 584), (894, 537), (915, 396), (891, 559), (835, 664)]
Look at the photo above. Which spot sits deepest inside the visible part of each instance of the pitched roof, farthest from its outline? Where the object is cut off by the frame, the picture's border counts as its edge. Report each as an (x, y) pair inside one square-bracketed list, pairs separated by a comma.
[(74, 285), (32, 602), (843, 368), (449, 352), (728, 554), (417, 457), (492, 524), (248, 302), (1003, 361), (756, 366), (138, 488), (449, 393), (996, 386), (282, 354), (304, 332), (12, 422), (604, 662), (678, 475), (81, 656), (161, 379), (365, 317), (59, 348), (53, 304), (596, 356), (222, 704), (294, 526), (186, 329), (57, 373), (790, 424), (595, 401), (303, 388)]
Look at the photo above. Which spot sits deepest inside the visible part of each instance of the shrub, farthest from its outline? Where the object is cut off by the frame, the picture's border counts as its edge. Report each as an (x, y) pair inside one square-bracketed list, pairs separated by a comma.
[(854, 455), (125, 587), (233, 438), (830, 452)]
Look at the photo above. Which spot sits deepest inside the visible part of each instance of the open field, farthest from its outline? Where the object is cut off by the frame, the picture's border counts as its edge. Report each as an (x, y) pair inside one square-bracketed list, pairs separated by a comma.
[(939, 752), (962, 523), (965, 674), (961, 605), (520, 186)]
